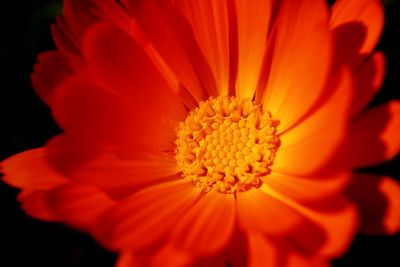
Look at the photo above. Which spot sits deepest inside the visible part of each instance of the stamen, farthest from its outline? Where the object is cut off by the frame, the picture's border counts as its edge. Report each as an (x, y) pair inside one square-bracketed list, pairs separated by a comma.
[(227, 144)]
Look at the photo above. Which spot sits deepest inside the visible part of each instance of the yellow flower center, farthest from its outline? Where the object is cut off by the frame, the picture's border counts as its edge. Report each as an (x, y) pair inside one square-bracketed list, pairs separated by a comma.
[(227, 144)]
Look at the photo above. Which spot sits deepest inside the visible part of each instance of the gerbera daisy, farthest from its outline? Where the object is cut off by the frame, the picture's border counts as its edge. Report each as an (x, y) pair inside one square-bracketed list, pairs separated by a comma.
[(201, 133)]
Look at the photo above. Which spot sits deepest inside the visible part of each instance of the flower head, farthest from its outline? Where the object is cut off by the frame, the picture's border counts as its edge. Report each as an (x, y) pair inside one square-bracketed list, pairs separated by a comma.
[(197, 133)]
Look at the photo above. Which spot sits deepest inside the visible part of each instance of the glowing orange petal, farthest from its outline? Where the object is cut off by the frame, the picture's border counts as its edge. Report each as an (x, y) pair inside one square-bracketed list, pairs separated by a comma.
[(169, 256), (337, 219), (260, 212), (368, 81), (301, 60), (146, 216), (378, 199), (209, 20), (35, 204), (30, 170), (378, 127), (253, 22), (208, 226), (367, 12), (44, 81), (308, 189), (312, 143), (171, 34)]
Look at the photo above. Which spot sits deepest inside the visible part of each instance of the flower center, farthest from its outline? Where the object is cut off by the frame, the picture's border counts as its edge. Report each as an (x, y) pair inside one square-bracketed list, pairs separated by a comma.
[(227, 144)]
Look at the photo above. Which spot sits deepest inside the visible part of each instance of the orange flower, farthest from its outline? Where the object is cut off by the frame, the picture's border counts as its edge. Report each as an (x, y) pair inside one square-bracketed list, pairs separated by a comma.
[(197, 133)]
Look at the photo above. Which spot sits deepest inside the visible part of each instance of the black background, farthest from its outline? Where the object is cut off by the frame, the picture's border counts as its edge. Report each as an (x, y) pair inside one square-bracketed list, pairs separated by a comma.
[(25, 122)]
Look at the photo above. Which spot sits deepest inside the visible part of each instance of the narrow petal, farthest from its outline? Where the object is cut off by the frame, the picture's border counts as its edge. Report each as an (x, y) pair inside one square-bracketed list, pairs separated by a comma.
[(299, 260), (208, 226), (367, 12), (260, 212), (313, 142), (210, 24), (30, 170), (377, 197), (145, 217), (253, 23), (369, 79), (378, 127), (302, 43), (335, 221), (172, 36), (78, 205), (308, 189)]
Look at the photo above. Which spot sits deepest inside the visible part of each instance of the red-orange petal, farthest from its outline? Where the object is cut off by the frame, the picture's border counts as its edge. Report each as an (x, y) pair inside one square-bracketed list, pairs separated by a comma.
[(30, 170), (78, 205), (310, 145), (208, 226), (263, 252), (148, 215), (302, 43), (378, 198), (368, 81), (172, 36), (260, 212), (379, 127), (127, 259), (119, 61), (367, 12), (308, 189), (110, 171), (34, 203), (50, 71), (210, 24), (332, 224)]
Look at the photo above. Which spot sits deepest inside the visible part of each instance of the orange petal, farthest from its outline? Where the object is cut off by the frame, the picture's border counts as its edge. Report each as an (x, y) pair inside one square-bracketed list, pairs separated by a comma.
[(336, 220), (172, 36), (378, 199), (308, 189), (34, 203), (253, 22), (145, 217), (52, 68), (78, 205), (379, 128), (301, 60), (262, 252), (260, 212), (312, 143), (110, 171), (208, 226), (30, 170), (367, 12), (368, 81), (209, 21)]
